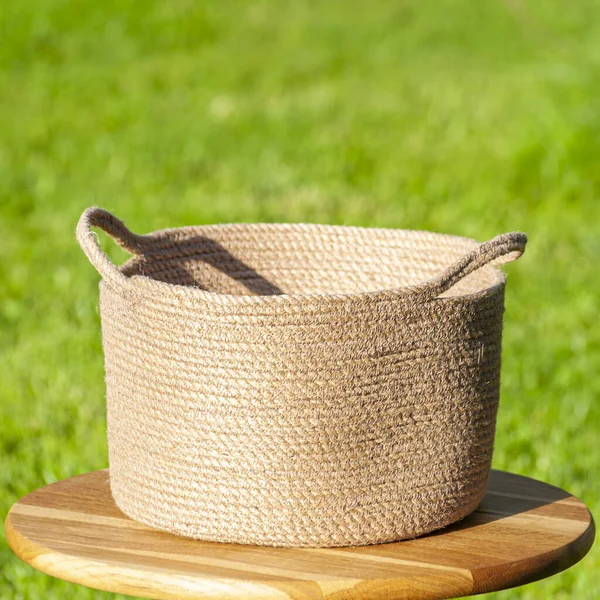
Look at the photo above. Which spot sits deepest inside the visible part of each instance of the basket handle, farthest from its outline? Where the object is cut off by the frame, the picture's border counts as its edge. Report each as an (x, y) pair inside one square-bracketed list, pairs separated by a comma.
[(116, 229), (500, 250)]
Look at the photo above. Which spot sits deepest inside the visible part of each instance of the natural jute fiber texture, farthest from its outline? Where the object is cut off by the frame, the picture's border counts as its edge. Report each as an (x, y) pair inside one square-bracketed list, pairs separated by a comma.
[(300, 385)]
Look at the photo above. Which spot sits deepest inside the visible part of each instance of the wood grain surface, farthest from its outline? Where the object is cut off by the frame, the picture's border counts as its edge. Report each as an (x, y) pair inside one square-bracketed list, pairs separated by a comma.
[(523, 531)]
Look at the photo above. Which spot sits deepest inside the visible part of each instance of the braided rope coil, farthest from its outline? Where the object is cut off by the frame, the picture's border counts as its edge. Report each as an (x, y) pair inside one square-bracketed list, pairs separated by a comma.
[(300, 385)]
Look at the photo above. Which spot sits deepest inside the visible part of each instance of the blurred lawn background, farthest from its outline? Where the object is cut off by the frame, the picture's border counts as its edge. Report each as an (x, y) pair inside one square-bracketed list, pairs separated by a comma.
[(464, 117)]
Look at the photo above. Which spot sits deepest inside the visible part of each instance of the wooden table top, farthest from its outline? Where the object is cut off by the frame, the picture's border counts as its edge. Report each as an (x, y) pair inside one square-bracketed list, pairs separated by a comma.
[(523, 531)]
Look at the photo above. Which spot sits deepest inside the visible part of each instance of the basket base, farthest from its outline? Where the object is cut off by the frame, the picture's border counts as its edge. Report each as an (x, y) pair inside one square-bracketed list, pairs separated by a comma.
[(524, 530)]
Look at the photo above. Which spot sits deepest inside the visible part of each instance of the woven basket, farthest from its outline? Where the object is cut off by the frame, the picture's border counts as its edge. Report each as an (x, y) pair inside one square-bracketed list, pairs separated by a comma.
[(299, 385)]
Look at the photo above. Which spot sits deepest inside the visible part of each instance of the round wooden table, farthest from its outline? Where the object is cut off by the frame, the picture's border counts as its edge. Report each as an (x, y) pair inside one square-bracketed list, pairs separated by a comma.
[(523, 531)]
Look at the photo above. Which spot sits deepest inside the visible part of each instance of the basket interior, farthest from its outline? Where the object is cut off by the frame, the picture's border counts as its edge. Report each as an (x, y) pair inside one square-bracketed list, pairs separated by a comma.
[(268, 259)]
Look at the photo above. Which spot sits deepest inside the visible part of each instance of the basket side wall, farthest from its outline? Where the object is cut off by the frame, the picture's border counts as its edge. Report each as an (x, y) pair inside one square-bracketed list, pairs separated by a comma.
[(348, 425)]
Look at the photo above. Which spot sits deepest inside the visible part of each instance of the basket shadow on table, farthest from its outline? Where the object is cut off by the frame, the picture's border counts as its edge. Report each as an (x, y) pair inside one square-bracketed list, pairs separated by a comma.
[(507, 495)]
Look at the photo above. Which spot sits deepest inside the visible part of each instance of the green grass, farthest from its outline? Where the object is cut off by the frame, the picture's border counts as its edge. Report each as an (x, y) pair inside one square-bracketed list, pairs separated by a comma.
[(471, 118)]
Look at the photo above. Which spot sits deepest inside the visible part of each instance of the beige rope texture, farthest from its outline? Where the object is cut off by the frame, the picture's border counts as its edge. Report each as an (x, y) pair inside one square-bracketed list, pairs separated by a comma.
[(300, 385)]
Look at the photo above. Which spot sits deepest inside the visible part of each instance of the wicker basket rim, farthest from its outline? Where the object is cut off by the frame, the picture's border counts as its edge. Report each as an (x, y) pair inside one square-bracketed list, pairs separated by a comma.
[(506, 246)]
